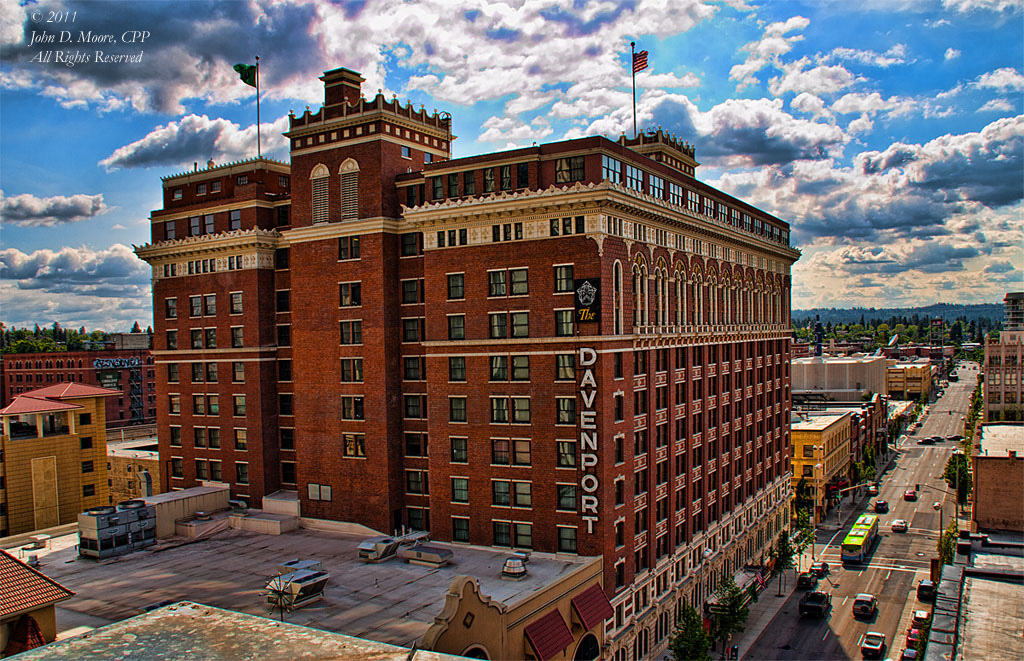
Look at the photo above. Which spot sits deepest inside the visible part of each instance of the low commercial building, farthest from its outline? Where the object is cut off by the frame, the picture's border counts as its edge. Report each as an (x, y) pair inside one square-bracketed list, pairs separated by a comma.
[(910, 380), (134, 469), (997, 461), (53, 456), (821, 455), (844, 378), (868, 423), (27, 598)]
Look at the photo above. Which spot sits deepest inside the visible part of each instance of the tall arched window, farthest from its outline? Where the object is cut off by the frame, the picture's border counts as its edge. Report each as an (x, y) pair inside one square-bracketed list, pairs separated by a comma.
[(349, 172), (319, 179), (679, 298), (617, 297)]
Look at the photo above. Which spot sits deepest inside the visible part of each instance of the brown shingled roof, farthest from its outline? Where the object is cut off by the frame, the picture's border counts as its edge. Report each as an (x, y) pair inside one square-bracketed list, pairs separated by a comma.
[(23, 588), (71, 390), (29, 404)]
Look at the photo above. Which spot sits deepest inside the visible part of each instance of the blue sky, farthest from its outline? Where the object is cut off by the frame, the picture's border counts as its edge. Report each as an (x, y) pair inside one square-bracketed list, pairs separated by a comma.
[(889, 134)]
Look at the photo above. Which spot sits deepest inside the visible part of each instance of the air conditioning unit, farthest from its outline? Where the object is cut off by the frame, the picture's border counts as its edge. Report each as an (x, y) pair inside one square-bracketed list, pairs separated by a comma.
[(429, 556), (295, 590), (377, 549), (295, 564)]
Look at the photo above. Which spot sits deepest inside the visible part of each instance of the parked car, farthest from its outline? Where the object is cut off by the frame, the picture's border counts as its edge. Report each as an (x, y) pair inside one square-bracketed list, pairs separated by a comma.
[(807, 580), (899, 525), (926, 441), (909, 654), (956, 439), (872, 489), (926, 590), (819, 569), (881, 507), (910, 495), (864, 605), (873, 645), (913, 635), (921, 618)]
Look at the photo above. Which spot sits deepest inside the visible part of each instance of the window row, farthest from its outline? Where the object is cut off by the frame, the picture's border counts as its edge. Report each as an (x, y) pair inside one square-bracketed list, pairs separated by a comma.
[(205, 338), (207, 404), (206, 372)]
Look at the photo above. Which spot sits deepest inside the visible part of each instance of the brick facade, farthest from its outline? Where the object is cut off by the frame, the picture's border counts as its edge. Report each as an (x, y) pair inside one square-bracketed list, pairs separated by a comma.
[(442, 395)]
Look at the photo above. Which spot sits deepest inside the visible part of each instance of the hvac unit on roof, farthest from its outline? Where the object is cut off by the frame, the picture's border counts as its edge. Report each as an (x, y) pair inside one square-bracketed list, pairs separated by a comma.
[(296, 589)]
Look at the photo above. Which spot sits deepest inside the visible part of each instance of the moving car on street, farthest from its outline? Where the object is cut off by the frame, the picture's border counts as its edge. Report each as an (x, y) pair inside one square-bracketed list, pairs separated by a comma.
[(899, 525), (873, 645), (881, 507), (864, 605), (807, 580), (873, 490), (815, 604), (819, 569), (910, 495)]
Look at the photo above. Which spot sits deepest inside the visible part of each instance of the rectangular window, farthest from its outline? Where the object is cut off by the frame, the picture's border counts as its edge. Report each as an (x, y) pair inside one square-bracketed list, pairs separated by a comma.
[(437, 188), (655, 186), (460, 490), (197, 372), (457, 368), (352, 332), (87, 466), (499, 409), (348, 247), (353, 445), (566, 457), (208, 224), (522, 175), (460, 529), (468, 183), (502, 533), (211, 372), (176, 467), (234, 220), (501, 493), (169, 233), (198, 404), (410, 245), (237, 372), (496, 283), (567, 497), (675, 194), (236, 303), (195, 227), (521, 455), (565, 367), (499, 368), (175, 437), (410, 368), (236, 336), (170, 308), (456, 286), (85, 442), (241, 438), (456, 327), (498, 324), (416, 482), (457, 409), (238, 405), (411, 330), (564, 323), (611, 169), (522, 496), (174, 403), (172, 339), (459, 449), (211, 338), (281, 259), (520, 368), (506, 177), (242, 472), (523, 535), (195, 306), (453, 184), (520, 324), (566, 411), (489, 180), (634, 178), (415, 444), (415, 406), (566, 540), (284, 335), (350, 294), (410, 291), (568, 169), (563, 279), (351, 370), (519, 282), (520, 410)]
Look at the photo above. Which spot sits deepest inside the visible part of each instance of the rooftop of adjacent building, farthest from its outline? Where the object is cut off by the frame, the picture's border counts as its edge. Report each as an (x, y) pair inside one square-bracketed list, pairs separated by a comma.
[(51, 398), (194, 631), (815, 420), (1000, 439), (393, 602), (852, 359), (139, 448)]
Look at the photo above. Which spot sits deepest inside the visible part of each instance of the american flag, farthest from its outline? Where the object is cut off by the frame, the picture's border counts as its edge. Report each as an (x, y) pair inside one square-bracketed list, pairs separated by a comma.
[(639, 61), (761, 581)]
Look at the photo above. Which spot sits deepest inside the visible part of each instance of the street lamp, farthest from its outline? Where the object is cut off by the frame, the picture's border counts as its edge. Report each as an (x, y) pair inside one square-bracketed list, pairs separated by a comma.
[(700, 578), (937, 506)]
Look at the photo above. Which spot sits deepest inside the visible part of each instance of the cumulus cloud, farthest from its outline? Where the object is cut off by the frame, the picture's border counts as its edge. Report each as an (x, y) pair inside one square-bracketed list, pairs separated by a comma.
[(31, 211), (999, 6), (767, 50), (198, 138), (895, 55), (506, 129), (952, 54), (997, 105), (821, 79), (1001, 79)]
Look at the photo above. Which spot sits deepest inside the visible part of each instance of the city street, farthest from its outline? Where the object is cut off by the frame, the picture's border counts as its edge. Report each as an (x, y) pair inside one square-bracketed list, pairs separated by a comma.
[(900, 560)]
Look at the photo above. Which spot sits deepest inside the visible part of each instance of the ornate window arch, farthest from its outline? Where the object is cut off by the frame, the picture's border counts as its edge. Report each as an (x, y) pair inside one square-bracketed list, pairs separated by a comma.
[(320, 185), (617, 296)]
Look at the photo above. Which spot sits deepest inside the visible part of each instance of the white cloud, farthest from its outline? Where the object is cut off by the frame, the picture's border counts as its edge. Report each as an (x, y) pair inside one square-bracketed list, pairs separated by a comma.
[(952, 54), (895, 55), (810, 104), (31, 211), (513, 131), (767, 50), (871, 103), (1000, 6), (1001, 79), (1000, 105), (816, 80)]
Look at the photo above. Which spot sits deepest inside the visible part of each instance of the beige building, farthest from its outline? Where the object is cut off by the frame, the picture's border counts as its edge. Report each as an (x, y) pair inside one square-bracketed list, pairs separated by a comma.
[(843, 378), (821, 454), (133, 468), (997, 462), (909, 380), (53, 461), (1004, 365)]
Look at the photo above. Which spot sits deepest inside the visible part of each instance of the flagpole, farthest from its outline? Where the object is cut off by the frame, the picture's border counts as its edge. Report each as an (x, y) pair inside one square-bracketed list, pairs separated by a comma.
[(259, 153), (632, 67)]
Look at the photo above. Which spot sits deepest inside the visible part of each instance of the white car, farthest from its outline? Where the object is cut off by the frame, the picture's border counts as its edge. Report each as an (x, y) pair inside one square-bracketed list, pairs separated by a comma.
[(899, 525)]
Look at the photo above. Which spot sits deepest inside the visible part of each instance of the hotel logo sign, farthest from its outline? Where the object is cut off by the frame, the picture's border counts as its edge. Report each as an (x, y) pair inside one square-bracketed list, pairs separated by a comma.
[(588, 437), (587, 299)]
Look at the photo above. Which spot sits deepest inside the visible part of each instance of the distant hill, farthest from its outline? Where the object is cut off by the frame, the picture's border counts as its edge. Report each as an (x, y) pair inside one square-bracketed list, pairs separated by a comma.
[(987, 314)]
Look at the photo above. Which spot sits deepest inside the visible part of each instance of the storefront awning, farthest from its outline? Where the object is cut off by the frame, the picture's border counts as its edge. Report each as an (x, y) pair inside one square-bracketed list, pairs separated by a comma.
[(592, 606), (548, 636)]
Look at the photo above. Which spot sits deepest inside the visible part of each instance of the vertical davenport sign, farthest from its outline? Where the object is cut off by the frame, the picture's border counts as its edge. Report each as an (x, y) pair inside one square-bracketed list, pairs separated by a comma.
[(588, 437)]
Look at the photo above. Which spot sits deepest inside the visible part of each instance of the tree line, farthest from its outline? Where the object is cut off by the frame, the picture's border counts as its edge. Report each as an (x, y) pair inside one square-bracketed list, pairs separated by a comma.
[(52, 338)]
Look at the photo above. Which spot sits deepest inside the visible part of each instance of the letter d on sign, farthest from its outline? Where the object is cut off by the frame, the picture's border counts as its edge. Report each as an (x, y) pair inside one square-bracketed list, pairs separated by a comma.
[(587, 356)]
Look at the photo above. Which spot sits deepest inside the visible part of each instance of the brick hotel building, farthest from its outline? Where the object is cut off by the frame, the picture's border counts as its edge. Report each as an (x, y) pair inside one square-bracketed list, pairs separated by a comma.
[(394, 334)]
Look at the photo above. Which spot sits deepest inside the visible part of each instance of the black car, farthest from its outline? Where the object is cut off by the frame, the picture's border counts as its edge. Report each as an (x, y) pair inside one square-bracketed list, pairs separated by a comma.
[(807, 580), (881, 507), (926, 590)]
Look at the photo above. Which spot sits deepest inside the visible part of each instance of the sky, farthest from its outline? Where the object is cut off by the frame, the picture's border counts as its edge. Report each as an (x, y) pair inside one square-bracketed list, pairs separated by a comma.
[(888, 133)]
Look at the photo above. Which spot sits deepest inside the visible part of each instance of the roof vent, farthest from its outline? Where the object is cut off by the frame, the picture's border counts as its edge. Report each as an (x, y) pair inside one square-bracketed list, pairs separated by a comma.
[(513, 570), (209, 163)]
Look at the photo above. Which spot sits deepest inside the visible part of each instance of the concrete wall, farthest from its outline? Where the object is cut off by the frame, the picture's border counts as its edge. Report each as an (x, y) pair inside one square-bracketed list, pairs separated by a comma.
[(176, 505)]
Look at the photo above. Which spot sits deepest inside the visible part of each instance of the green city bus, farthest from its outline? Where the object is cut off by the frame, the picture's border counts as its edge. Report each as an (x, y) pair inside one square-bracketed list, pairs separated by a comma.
[(858, 542)]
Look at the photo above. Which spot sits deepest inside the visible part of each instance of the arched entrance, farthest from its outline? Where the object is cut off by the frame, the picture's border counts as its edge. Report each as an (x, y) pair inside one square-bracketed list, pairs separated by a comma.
[(588, 649)]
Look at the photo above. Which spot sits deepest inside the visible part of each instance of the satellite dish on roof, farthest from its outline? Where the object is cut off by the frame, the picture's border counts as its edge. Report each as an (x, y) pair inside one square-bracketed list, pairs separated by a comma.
[(893, 339)]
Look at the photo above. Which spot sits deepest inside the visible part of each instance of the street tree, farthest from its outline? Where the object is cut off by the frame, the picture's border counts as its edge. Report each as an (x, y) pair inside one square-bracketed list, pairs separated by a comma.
[(958, 476), (947, 542), (730, 614), (804, 530), (783, 556), (690, 641)]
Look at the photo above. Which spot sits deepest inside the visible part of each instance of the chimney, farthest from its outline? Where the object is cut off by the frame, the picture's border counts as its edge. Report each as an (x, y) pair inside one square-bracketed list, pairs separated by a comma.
[(341, 85)]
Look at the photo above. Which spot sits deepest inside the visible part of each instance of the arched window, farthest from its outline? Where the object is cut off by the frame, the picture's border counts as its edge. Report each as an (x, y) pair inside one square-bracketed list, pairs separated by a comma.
[(320, 178), (349, 172), (679, 298)]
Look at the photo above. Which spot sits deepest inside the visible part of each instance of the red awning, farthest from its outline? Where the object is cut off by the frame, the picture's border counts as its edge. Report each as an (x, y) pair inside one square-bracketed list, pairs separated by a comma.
[(592, 606), (549, 635)]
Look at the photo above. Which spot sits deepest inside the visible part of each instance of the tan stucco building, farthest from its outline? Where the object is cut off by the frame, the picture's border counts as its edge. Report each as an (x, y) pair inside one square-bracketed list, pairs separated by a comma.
[(821, 453), (910, 380), (133, 468), (53, 461)]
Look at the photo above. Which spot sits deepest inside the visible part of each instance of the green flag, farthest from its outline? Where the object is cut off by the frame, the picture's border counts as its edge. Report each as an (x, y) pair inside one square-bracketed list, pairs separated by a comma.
[(247, 72)]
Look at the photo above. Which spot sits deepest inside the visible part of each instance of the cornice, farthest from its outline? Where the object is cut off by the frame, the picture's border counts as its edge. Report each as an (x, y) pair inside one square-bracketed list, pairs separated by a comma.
[(323, 231), (220, 208), (207, 243)]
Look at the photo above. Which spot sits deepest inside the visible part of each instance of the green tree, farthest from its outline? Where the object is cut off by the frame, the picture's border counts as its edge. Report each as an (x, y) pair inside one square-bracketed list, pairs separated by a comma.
[(783, 557), (804, 530), (958, 476), (730, 614), (947, 542), (690, 642), (804, 495)]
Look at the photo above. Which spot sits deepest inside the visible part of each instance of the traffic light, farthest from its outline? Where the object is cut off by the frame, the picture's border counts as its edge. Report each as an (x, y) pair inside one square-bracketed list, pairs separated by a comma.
[(917, 487)]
